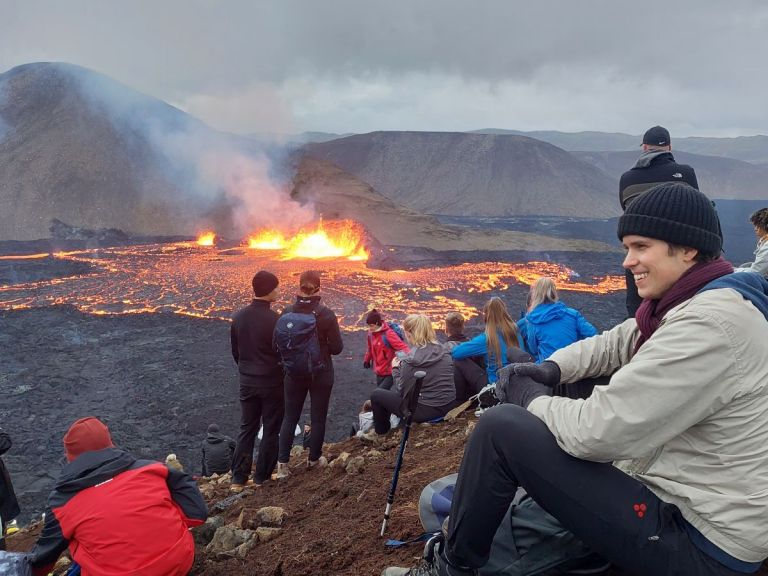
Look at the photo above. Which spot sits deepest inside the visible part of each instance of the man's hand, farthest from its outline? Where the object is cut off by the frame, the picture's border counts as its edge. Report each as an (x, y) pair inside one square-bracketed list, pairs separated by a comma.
[(395, 362), (547, 372), (367, 364), (520, 390)]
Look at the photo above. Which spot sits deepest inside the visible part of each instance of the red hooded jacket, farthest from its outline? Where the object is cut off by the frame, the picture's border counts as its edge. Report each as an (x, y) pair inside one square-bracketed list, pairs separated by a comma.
[(380, 353), (119, 515)]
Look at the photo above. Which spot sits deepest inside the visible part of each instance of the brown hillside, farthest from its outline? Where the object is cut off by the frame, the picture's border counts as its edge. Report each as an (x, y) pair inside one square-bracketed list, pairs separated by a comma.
[(464, 174)]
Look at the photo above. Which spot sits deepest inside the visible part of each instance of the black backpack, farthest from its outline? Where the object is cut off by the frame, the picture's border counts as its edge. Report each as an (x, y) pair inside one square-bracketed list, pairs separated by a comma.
[(296, 341)]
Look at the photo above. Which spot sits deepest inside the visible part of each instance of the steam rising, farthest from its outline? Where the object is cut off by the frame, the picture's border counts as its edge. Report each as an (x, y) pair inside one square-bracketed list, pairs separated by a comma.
[(233, 185)]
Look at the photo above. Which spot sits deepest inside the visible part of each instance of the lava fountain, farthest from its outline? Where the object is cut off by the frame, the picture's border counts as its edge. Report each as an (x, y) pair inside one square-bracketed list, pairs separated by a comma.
[(344, 239), (206, 239)]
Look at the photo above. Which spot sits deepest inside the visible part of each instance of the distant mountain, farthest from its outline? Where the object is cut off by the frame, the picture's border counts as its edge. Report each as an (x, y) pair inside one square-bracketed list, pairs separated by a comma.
[(298, 139), (78, 146), (719, 178), (463, 174), (747, 148)]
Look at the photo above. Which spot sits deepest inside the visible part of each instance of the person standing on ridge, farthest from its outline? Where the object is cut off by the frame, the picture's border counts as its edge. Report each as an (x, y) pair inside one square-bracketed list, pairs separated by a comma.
[(261, 382), (383, 343), (656, 165), (316, 379)]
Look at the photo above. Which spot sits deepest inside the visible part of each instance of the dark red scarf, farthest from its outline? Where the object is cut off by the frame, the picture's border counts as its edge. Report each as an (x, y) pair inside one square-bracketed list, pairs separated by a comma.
[(651, 312)]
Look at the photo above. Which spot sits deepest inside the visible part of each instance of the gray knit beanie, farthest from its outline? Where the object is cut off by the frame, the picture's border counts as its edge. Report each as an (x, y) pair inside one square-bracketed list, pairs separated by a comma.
[(676, 213)]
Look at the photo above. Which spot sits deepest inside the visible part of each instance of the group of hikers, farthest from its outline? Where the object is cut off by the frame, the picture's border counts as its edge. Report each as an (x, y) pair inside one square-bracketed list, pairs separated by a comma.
[(659, 467)]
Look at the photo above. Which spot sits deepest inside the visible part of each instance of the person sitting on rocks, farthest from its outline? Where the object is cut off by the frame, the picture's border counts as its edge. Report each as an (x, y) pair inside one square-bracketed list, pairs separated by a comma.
[(9, 506), (454, 330), (495, 343), (218, 450), (662, 471), (759, 220), (383, 344), (117, 514), (437, 390), (549, 324)]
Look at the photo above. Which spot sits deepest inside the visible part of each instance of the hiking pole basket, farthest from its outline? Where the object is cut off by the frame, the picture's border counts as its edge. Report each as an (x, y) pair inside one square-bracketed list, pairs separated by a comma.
[(413, 401)]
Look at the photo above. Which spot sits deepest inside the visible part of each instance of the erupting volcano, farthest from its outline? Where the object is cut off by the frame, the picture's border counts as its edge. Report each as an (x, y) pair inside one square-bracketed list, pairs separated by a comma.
[(206, 239), (338, 239)]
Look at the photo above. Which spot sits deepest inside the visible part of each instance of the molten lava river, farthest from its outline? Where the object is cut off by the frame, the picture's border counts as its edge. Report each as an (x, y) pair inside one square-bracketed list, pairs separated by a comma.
[(198, 279)]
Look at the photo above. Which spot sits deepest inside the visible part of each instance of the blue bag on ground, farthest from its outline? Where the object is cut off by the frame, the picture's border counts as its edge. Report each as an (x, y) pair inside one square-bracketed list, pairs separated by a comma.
[(529, 541), (297, 343), (14, 564)]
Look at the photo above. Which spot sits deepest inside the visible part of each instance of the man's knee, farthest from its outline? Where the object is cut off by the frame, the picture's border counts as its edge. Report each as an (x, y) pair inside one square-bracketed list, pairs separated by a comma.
[(511, 423)]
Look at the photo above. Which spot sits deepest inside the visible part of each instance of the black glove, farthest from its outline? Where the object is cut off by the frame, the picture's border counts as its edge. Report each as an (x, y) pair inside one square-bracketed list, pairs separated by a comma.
[(367, 364), (546, 373), (520, 390)]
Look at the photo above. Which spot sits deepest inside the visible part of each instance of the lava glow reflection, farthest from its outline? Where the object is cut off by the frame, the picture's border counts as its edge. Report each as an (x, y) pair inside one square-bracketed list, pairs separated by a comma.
[(184, 278)]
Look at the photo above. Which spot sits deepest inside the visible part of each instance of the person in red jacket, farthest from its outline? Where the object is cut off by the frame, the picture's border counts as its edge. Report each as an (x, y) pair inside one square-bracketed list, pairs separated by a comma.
[(379, 353), (117, 514)]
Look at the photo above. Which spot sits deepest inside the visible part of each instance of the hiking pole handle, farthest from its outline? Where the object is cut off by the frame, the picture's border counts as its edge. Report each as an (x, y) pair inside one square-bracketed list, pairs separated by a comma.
[(412, 403)]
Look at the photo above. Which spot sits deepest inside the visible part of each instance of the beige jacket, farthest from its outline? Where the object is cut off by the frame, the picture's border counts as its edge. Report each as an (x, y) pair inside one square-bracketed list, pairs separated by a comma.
[(688, 414)]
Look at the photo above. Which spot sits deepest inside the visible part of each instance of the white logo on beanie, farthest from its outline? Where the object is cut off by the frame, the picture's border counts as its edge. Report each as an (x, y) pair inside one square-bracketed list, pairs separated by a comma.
[(677, 175)]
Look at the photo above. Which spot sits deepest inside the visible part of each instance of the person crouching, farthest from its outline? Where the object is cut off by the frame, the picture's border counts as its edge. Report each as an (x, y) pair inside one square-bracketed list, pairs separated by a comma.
[(437, 390), (117, 514)]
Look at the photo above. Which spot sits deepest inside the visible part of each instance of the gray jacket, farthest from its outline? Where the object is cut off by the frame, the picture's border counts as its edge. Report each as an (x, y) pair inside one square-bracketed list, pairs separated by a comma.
[(760, 265), (438, 388)]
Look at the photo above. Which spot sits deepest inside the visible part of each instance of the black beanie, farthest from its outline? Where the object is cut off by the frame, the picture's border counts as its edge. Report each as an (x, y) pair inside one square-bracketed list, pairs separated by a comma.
[(263, 283), (213, 429), (676, 213)]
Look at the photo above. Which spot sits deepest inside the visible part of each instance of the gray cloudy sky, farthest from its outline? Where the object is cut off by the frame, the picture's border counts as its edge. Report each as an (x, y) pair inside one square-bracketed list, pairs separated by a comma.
[(696, 66)]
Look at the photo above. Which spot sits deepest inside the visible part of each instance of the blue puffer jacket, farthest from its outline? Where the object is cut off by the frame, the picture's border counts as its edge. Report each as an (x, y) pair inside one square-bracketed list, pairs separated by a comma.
[(551, 326)]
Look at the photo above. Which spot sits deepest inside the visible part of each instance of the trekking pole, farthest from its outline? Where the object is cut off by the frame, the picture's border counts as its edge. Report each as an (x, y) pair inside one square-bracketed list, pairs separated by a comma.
[(412, 403)]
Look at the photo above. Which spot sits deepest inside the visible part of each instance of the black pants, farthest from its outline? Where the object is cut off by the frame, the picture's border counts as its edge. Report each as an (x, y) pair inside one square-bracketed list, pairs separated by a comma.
[(614, 514), (468, 378), (385, 382), (258, 403), (387, 402), (296, 390), (633, 298)]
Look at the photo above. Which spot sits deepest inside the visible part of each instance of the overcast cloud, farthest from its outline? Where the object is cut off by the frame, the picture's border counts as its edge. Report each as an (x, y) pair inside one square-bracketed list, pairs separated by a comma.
[(696, 66)]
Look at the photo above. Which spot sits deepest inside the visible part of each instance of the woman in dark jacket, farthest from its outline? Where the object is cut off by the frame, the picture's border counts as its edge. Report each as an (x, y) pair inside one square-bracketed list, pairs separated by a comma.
[(9, 506), (318, 385), (437, 390)]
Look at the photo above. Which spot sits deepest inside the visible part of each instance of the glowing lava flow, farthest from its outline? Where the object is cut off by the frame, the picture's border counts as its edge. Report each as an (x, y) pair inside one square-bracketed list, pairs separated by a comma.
[(206, 239), (342, 239)]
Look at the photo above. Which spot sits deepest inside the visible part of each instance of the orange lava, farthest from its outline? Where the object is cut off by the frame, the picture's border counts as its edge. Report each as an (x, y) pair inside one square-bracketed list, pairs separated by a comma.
[(206, 239), (338, 239), (182, 279)]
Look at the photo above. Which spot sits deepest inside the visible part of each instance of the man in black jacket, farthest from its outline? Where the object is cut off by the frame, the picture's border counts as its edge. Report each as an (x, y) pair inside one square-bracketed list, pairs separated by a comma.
[(9, 507), (261, 382), (656, 165), (218, 452)]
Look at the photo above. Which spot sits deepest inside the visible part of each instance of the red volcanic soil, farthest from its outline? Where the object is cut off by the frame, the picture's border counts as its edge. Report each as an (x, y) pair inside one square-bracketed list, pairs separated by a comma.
[(334, 517)]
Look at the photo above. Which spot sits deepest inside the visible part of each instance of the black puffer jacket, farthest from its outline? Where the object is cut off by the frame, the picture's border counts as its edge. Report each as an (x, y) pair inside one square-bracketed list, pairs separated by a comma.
[(218, 450), (9, 506)]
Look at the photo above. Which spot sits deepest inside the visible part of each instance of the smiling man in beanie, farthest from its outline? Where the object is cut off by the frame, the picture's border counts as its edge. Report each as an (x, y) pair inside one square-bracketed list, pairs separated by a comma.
[(655, 166), (117, 514), (665, 469), (261, 382)]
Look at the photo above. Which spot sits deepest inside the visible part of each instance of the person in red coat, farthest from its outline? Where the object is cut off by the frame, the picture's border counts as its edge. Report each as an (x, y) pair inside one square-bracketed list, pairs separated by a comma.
[(117, 514), (379, 353)]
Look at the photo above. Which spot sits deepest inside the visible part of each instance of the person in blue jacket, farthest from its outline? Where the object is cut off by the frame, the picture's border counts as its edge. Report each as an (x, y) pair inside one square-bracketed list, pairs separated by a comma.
[(497, 341), (549, 324)]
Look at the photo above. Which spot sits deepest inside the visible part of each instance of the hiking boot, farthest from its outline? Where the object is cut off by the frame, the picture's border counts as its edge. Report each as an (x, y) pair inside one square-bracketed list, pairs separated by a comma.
[(236, 487), (433, 563), (11, 528), (321, 462), (282, 471)]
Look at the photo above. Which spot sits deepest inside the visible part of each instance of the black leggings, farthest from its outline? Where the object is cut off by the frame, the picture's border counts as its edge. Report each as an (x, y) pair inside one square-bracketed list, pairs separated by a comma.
[(387, 402), (468, 378), (296, 390), (615, 515)]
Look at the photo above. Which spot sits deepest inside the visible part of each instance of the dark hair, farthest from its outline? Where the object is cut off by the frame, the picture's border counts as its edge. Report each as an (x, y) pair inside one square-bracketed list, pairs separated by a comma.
[(700, 256), (760, 219), (454, 323), (373, 317)]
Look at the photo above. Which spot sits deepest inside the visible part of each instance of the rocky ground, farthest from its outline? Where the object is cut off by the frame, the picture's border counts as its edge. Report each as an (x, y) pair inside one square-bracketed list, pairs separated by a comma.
[(324, 521)]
